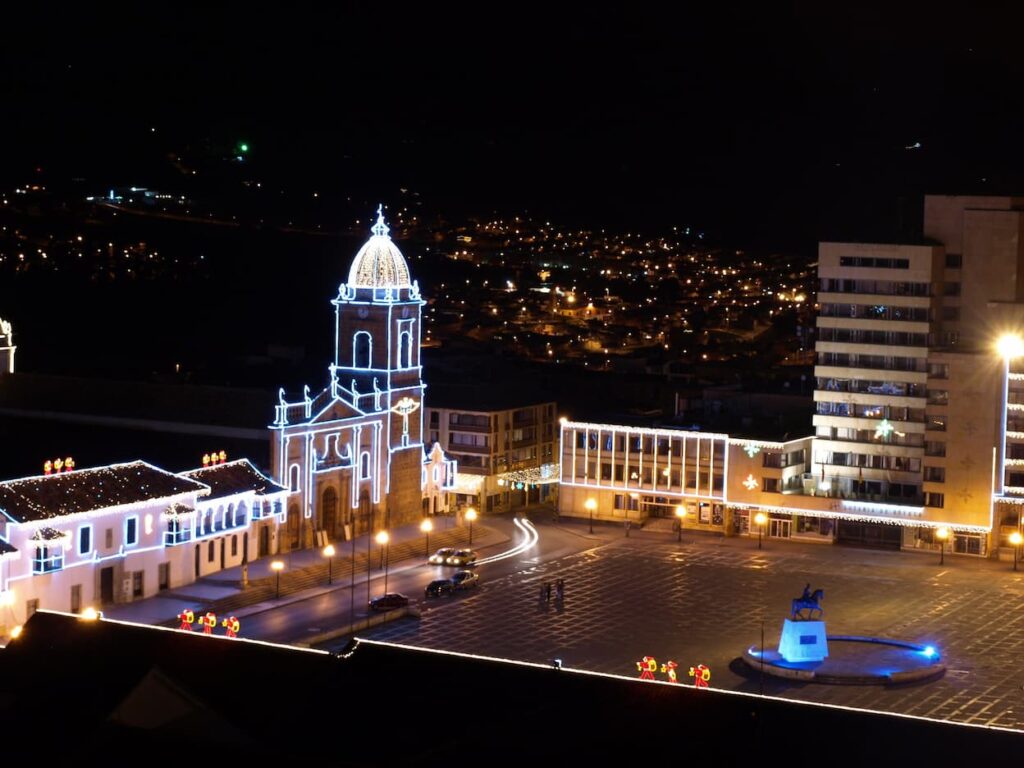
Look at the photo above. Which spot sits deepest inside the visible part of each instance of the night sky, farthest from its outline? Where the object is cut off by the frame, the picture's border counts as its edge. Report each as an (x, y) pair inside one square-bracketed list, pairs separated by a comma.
[(766, 127)]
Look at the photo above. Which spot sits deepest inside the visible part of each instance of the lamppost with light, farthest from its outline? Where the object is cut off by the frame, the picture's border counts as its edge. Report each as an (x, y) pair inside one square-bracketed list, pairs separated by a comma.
[(1016, 539), (591, 505), (759, 520), (471, 516), (277, 566), (942, 534), (382, 539), (426, 526), (680, 513), (329, 554)]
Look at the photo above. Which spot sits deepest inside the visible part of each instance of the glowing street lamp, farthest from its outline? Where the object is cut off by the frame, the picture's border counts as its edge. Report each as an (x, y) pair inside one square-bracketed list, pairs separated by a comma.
[(1016, 539), (329, 553), (1010, 345), (426, 526), (471, 516), (382, 539), (591, 505), (277, 566), (942, 534), (759, 520), (680, 514)]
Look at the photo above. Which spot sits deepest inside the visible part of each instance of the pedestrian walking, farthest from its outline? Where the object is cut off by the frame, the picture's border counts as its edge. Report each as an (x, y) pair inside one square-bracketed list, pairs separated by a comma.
[(560, 590), (547, 592), (540, 595)]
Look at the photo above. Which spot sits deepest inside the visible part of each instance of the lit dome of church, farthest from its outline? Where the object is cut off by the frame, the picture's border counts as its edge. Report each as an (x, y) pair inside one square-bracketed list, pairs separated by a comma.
[(379, 263)]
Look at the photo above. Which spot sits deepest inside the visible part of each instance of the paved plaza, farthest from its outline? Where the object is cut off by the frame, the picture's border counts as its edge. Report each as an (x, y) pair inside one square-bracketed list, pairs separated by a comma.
[(704, 601)]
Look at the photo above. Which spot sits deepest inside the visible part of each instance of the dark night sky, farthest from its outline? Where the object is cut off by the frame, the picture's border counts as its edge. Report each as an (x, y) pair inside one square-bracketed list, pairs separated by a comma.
[(777, 126)]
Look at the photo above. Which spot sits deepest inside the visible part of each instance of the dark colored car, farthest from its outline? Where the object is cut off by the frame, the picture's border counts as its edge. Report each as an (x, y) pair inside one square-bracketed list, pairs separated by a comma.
[(464, 580), (438, 588), (389, 601)]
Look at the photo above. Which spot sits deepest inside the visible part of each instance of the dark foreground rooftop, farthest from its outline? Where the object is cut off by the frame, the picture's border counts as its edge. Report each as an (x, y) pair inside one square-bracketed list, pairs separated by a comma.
[(137, 693)]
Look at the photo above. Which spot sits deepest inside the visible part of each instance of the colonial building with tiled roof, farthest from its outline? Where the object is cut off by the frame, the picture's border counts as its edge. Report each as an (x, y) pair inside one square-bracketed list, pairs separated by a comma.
[(92, 537)]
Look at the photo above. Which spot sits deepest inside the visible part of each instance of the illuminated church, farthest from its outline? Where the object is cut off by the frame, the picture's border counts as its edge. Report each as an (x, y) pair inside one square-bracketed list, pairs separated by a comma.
[(352, 455)]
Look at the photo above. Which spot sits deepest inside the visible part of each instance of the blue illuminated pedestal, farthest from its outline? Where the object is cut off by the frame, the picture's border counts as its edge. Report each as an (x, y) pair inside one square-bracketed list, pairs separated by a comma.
[(803, 641)]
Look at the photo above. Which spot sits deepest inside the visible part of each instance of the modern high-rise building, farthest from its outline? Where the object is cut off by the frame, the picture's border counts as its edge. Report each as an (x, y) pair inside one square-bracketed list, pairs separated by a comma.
[(7, 347), (919, 392)]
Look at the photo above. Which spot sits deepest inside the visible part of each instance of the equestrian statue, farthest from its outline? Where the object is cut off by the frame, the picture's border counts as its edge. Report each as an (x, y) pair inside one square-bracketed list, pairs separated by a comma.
[(808, 602)]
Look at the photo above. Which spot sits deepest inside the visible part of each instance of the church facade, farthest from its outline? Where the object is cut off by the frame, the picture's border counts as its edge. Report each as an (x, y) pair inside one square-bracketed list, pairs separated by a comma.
[(352, 455)]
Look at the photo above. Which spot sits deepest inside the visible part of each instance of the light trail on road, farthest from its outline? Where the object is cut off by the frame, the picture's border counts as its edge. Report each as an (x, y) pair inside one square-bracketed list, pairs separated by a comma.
[(532, 537)]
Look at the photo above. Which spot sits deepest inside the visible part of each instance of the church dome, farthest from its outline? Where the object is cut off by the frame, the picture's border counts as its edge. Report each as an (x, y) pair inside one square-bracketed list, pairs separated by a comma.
[(379, 263)]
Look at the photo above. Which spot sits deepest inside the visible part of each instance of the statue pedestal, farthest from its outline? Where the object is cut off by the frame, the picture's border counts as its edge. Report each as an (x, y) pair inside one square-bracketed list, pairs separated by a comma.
[(803, 641)]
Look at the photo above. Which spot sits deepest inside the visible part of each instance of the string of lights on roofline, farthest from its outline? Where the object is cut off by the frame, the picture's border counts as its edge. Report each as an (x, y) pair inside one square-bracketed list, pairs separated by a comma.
[(109, 486)]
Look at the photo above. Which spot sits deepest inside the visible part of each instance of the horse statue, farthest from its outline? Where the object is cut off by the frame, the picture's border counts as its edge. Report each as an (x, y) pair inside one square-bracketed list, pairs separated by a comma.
[(809, 602)]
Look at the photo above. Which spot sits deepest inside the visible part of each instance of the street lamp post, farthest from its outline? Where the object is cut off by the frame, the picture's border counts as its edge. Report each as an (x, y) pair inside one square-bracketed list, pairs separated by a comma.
[(1016, 539), (680, 513), (471, 516), (942, 534), (760, 519), (591, 505), (352, 588), (329, 554), (426, 526), (277, 566), (382, 539)]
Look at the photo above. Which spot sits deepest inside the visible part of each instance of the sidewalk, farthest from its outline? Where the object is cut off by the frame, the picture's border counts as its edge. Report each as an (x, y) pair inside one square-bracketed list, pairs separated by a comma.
[(304, 576)]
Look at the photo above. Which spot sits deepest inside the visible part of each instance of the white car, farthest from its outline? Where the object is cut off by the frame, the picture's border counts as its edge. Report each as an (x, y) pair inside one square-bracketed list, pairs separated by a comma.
[(464, 580), (462, 558), (441, 556)]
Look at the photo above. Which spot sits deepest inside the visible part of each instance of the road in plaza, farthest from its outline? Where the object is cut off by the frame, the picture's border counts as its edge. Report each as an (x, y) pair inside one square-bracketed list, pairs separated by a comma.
[(704, 601), (296, 622)]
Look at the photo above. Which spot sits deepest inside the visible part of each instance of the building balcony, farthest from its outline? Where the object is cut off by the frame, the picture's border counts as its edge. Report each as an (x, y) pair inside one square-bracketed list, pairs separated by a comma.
[(481, 450), (47, 563), (480, 429)]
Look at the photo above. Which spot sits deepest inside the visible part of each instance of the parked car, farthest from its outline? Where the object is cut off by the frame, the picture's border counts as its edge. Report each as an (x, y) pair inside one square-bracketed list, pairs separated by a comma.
[(462, 558), (464, 580), (441, 556), (389, 601), (438, 588)]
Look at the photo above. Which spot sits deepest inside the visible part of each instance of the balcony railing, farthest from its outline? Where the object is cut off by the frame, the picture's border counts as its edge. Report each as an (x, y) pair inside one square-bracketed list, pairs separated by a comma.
[(48, 559)]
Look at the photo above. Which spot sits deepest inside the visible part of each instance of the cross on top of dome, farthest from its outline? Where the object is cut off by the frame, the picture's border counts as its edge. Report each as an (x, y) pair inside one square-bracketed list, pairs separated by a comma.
[(380, 229)]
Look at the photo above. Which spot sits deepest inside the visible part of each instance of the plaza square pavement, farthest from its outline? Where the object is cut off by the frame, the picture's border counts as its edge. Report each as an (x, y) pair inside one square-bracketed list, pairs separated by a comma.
[(704, 601)]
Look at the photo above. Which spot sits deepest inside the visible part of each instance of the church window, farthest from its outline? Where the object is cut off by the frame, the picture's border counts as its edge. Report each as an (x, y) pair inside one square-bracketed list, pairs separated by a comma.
[(405, 350), (362, 349), (364, 466)]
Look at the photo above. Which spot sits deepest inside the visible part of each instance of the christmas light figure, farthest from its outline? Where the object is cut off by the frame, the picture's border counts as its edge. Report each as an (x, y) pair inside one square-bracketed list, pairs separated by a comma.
[(884, 429), (232, 626), (752, 450), (208, 622), (750, 483), (206, 459), (47, 467), (648, 665), (669, 668), (69, 464), (403, 408), (223, 457), (58, 465), (701, 676), (187, 617)]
